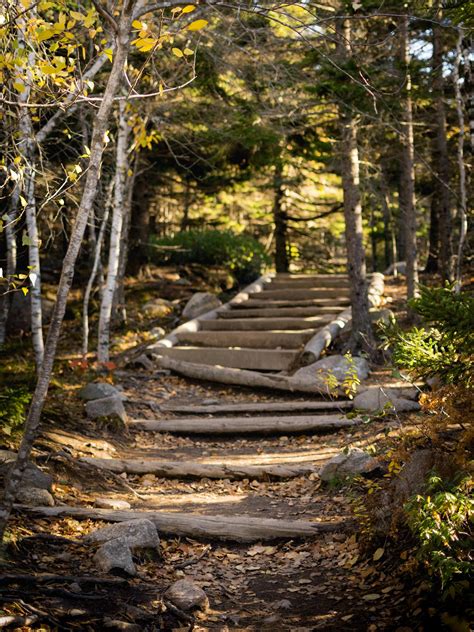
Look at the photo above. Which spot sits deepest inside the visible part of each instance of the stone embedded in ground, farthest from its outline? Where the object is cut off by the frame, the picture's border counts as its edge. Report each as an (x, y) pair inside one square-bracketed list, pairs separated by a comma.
[(157, 332), (187, 596), (33, 476), (334, 366), (199, 304), (158, 308), (98, 390), (377, 398), (34, 497), (110, 408), (112, 503), (355, 462), (115, 555), (138, 534)]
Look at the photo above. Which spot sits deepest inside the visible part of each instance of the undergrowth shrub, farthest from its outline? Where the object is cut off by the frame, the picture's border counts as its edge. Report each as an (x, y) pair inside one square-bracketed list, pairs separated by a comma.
[(241, 254), (14, 403)]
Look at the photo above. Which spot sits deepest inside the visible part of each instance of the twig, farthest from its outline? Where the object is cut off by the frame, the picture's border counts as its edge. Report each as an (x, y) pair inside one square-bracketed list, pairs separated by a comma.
[(194, 560), (180, 614), (17, 621)]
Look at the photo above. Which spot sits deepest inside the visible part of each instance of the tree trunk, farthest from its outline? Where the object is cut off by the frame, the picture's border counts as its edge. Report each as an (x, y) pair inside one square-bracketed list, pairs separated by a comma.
[(441, 160), (139, 228), (408, 211), (26, 147), (11, 256), (121, 168), (390, 242), (361, 335), (280, 221), (467, 46), (186, 205), (461, 166), (90, 187)]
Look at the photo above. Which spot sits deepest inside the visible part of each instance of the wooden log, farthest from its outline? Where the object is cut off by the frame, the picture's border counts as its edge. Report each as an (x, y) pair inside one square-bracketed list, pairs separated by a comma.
[(194, 469), (303, 293), (256, 407), (235, 528), (257, 359), (246, 425), (278, 312), (240, 377), (266, 324), (194, 325), (310, 282), (308, 302), (264, 339)]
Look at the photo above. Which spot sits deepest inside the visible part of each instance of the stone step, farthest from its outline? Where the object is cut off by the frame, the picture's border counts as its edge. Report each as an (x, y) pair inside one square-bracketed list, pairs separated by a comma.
[(303, 293), (322, 303), (244, 425), (256, 359), (277, 312), (247, 339), (256, 407), (266, 324)]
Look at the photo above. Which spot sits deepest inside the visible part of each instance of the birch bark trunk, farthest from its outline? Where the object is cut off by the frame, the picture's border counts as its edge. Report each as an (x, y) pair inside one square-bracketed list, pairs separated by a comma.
[(44, 376), (121, 168), (408, 212), (11, 257), (279, 219)]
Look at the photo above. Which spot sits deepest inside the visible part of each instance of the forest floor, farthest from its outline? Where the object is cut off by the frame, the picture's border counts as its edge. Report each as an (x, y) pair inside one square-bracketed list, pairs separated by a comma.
[(344, 580)]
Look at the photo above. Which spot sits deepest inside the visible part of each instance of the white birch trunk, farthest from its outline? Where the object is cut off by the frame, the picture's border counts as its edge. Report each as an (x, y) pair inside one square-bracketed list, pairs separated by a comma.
[(121, 168), (11, 256), (101, 120)]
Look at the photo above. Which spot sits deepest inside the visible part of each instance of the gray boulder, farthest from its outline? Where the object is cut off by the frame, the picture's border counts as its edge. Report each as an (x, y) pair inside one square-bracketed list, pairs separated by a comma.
[(399, 266), (98, 390), (33, 476), (355, 462), (114, 555), (187, 596), (377, 398), (138, 534), (199, 304), (34, 497), (107, 408), (334, 366)]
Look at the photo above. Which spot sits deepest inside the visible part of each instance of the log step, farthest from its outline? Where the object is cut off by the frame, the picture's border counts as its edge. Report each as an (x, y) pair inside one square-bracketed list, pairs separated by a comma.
[(256, 359), (277, 312), (256, 407), (303, 293), (245, 425), (194, 469), (322, 303), (247, 339), (235, 528), (266, 324), (279, 284)]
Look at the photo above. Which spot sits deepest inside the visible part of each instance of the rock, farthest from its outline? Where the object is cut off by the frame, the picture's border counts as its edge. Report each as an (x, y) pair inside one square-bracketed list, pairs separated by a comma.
[(113, 555), (355, 462), (185, 595), (199, 304), (399, 266), (98, 390), (157, 308), (116, 624), (138, 534), (107, 408), (334, 366), (33, 476), (412, 477), (112, 503), (6, 456), (142, 361), (34, 497), (377, 398), (157, 332)]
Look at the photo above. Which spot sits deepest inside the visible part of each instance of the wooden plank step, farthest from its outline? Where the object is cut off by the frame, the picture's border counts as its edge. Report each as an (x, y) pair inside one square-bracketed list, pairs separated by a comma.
[(245, 425), (277, 312), (247, 339), (266, 324), (256, 407), (235, 528), (314, 275), (323, 303), (256, 359), (278, 284), (194, 469), (303, 293)]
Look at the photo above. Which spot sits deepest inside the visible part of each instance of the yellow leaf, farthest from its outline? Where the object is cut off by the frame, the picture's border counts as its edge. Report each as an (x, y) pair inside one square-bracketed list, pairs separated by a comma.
[(24, 290), (45, 34), (17, 160), (19, 87), (378, 554), (197, 25), (188, 51), (188, 8), (137, 24), (77, 16), (23, 202), (108, 53), (177, 52)]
